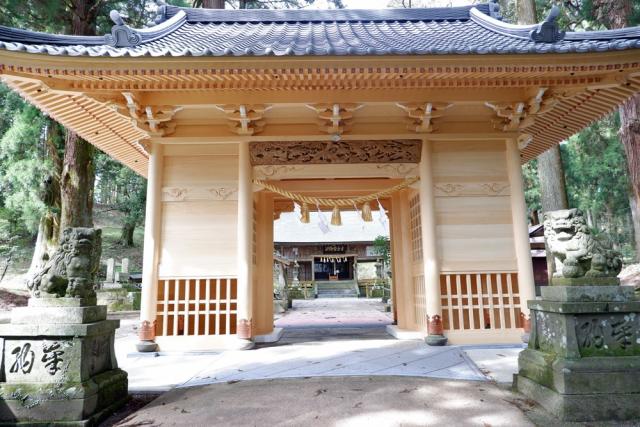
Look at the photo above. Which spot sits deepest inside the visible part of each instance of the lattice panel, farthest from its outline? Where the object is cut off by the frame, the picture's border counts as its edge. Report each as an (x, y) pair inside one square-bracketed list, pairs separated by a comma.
[(480, 301), (192, 307), (416, 228), (419, 301)]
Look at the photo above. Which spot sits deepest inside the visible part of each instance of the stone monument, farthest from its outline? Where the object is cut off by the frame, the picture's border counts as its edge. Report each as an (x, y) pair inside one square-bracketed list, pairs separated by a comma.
[(583, 358), (58, 360)]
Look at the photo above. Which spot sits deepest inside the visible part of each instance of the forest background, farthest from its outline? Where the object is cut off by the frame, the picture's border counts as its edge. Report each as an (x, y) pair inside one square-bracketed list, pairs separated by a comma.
[(39, 173)]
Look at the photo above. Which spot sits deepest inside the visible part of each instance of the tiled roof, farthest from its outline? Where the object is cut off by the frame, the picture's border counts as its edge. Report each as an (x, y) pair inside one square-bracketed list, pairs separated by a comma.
[(435, 31)]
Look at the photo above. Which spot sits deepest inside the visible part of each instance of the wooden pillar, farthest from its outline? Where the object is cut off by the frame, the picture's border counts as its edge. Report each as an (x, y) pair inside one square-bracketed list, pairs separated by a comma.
[(526, 283), (401, 261), (151, 255), (245, 242), (430, 249), (263, 273)]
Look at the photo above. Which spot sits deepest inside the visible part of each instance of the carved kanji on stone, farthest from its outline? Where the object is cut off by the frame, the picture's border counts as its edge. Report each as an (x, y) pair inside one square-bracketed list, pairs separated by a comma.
[(52, 357), (24, 359)]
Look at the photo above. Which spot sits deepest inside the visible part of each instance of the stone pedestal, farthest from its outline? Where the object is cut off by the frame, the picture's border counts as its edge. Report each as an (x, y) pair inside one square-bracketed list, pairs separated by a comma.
[(59, 365), (583, 359)]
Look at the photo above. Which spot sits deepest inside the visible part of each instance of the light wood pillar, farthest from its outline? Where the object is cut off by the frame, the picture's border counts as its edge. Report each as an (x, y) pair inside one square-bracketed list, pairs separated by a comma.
[(430, 248), (245, 242), (263, 269), (526, 283), (151, 255), (401, 261)]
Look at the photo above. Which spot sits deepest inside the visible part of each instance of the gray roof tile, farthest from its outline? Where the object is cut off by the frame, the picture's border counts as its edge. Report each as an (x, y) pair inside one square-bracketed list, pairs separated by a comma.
[(436, 31)]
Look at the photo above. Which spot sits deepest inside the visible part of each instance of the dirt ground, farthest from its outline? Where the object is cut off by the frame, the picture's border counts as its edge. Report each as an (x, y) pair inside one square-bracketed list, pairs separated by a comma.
[(11, 299)]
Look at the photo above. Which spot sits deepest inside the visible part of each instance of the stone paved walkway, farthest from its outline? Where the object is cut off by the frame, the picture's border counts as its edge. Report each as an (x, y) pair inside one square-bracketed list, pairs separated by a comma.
[(330, 312), (336, 338)]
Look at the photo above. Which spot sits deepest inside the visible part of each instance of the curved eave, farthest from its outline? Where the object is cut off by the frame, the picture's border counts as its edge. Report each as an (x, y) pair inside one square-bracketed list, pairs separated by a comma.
[(24, 38), (28, 73)]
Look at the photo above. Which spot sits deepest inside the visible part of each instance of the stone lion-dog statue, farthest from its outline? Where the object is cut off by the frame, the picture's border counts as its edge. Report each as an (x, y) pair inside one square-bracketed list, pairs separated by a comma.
[(577, 253), (71, 270)]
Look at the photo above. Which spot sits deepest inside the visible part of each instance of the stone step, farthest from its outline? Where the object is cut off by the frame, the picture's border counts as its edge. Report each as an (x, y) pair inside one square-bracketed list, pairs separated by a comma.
[(333, 295)]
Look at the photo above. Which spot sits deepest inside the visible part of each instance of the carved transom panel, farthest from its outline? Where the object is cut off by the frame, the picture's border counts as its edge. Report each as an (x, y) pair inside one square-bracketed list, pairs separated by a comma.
[(335, 152)]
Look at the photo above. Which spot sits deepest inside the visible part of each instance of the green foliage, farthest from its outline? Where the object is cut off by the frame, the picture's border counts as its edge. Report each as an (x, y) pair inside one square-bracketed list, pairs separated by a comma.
[(382, 247), (597, 178), (23, 165), (531, 187), (121, 188)]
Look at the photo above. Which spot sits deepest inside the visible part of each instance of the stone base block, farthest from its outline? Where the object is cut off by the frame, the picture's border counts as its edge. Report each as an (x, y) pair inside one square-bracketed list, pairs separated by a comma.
[(58, 315), (585, 281), (50, 301), (268, 338), (435, 340), (115, 299), (146, 346), (591, 375), (59, 404), (582, 407), (588, 293)]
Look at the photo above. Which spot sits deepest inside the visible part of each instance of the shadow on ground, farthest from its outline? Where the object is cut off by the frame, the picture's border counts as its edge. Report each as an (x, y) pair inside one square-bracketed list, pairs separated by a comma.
[(349, 401)]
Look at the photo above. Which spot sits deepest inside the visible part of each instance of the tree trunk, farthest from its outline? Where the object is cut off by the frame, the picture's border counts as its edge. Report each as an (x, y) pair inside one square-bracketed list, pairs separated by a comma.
[(526, 11), (553, 193), (126, 236), (213, 4), (617, 15), (49, 227), (78, 176), (78, 172)]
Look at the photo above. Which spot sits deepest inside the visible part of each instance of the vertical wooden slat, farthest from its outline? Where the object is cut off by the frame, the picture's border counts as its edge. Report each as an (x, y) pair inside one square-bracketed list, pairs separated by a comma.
[(460, 309), (218, 300), (472, 324), (196, 329), (501, 300), (187, 295), (165, 312), (176, 299), (512, 310), (207, 308), (228, 308), (449, 301), (480, 303), (490, 291)]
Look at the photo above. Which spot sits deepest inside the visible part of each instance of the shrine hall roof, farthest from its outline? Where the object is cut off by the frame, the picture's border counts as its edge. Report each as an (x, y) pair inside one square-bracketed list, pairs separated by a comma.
[(207, 32)]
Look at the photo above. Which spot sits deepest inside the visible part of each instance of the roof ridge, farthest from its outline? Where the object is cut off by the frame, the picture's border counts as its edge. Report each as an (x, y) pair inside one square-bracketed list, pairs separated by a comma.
[(193, 15), (548, 31)]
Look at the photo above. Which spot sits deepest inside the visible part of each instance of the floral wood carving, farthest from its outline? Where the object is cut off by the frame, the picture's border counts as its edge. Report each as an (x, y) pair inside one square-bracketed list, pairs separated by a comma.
[(335, 152), (458, 189), (219, 192), (274, 171)]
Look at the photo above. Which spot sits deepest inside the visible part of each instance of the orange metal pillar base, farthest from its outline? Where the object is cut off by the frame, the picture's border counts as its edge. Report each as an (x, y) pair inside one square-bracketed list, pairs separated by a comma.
[(244, 329), (436, 331), (147, 337)]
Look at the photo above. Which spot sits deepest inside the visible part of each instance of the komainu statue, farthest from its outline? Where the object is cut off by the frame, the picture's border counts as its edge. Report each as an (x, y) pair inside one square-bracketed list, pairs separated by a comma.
[(576, 252), (71, 271)]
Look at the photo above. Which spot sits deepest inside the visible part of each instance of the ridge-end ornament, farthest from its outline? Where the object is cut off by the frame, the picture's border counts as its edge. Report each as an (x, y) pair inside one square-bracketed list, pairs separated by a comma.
[(121, 34)]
